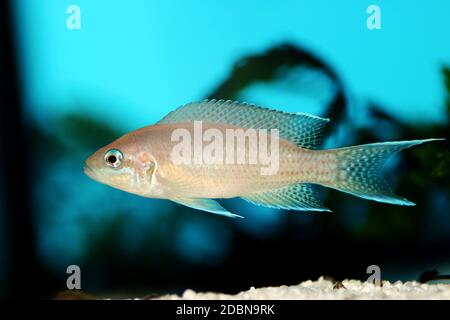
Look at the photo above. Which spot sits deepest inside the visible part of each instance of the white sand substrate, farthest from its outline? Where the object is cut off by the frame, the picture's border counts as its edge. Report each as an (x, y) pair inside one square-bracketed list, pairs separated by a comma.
[(326, 289)]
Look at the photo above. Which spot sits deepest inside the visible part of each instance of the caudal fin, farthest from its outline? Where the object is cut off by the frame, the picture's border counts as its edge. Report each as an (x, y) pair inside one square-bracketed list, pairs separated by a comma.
[(359, 170)]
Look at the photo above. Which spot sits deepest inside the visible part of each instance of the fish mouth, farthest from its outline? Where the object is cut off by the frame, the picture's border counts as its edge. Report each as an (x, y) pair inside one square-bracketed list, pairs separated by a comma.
[(88, 171)]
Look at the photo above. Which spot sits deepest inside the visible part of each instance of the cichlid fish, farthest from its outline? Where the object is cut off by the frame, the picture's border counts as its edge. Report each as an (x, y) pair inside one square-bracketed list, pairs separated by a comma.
[(144, 162)]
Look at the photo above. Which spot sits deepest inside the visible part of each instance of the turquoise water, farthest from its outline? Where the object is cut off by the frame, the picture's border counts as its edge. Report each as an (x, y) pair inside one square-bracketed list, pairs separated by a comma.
[(130, 63)]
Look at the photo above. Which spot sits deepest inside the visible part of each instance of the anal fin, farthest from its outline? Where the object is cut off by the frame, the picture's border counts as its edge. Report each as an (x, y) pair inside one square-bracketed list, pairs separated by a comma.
[(300, 197), (208, 205)]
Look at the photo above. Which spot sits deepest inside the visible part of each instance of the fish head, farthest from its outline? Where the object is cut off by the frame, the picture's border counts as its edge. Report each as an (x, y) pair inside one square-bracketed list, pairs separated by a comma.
[(123, 165)]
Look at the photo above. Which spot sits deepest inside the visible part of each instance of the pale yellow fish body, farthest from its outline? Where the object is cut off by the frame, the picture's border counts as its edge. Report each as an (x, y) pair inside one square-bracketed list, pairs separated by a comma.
[(145, 164)]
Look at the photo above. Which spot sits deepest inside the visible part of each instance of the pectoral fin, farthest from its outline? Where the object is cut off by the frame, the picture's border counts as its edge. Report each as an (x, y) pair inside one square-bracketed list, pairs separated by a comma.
[(208, 205)]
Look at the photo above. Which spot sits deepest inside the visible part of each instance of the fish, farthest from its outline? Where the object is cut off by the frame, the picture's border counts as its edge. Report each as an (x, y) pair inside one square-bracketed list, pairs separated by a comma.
[(181, 158)]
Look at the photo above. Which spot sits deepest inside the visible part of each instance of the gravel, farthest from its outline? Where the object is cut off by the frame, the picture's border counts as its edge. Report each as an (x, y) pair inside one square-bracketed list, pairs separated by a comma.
[(325, 289)]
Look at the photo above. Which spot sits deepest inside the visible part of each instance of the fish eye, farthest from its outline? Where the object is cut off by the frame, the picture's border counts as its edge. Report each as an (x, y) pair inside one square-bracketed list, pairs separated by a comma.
[(113, 158)]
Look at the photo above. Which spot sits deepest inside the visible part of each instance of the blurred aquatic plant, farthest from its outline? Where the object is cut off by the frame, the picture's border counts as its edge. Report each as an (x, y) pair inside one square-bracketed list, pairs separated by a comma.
[(442, 165), (274, 64), (415, 167)]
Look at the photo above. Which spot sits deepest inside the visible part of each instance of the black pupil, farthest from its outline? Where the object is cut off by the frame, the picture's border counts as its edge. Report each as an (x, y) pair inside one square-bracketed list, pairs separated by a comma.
[(112, 159)]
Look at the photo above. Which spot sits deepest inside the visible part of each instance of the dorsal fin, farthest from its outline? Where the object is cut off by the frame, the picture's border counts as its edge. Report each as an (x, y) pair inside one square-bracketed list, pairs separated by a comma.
[(300, 197), (303, 129)]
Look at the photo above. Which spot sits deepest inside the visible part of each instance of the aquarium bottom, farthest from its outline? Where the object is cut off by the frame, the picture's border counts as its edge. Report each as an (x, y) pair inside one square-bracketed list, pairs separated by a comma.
[(326, 289)]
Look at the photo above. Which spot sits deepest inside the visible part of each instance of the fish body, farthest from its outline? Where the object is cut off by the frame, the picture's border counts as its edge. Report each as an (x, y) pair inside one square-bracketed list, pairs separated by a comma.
[(224, 149)]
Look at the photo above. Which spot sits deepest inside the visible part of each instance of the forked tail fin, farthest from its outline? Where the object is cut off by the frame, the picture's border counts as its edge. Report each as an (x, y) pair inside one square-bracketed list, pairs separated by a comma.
[(359, 170)]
